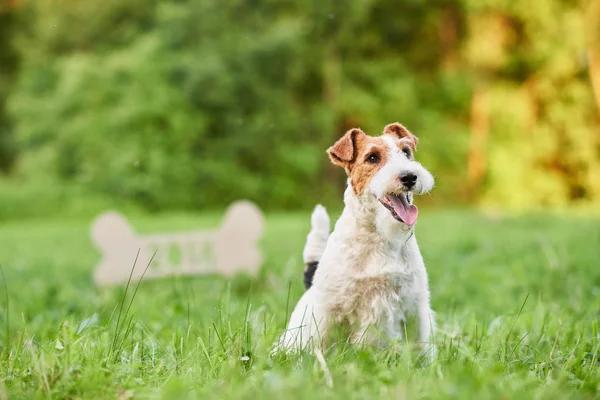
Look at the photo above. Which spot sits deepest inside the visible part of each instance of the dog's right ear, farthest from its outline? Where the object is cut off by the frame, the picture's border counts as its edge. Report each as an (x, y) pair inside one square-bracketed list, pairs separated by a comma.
[(343, 152)]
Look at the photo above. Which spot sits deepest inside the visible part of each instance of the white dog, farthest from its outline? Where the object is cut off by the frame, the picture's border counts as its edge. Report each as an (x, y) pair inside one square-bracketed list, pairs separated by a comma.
[(369, 275)]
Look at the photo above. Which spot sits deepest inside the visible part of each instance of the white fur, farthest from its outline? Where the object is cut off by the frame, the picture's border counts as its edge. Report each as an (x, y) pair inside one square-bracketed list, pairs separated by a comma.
[(317, 238), (371, 275)]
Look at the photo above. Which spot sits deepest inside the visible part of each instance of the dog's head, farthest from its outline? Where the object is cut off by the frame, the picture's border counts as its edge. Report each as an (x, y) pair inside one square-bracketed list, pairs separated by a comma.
[(382, 171)]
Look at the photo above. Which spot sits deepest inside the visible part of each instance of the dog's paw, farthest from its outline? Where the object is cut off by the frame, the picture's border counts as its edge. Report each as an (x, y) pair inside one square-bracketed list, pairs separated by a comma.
[(277, 351), (284, 347), (429, 353)]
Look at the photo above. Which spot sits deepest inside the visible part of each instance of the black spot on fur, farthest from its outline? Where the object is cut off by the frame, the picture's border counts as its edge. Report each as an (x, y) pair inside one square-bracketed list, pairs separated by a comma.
[(309, 273)]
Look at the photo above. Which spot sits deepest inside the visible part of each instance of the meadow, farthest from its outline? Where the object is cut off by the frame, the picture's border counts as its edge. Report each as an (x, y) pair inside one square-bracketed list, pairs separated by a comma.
[(517, 299)]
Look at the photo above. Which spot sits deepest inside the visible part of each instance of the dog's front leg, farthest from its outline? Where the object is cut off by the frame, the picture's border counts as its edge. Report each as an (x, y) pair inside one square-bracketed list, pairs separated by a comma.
[(307, 326), (426, 328), (425, 315)]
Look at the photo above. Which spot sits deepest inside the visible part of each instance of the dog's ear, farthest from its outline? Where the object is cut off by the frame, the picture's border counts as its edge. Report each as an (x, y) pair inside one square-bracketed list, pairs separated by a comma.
[(398, 130), (343, 152)]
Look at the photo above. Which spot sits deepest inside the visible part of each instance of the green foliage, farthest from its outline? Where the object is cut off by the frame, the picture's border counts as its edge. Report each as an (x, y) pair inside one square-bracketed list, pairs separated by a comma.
[(516, 300), (191, 104)]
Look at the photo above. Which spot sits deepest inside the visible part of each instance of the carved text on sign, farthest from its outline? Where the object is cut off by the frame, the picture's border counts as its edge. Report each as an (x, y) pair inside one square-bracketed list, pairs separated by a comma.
[(231, 248)]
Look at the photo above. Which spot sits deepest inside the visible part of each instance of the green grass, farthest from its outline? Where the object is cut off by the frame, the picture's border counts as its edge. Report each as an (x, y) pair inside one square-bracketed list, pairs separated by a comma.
[(518, 304)]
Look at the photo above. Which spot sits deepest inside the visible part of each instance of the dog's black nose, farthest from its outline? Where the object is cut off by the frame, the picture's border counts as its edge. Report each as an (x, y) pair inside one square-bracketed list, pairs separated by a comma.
[(409, 179)]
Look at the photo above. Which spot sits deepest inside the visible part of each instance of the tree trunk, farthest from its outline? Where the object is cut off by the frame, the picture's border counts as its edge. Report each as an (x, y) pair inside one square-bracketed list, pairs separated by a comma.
[(593, 46), (477, 156)]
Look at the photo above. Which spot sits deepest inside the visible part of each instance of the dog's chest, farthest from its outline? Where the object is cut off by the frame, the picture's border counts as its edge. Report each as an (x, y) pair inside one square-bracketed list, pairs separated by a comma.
[(384, 292)]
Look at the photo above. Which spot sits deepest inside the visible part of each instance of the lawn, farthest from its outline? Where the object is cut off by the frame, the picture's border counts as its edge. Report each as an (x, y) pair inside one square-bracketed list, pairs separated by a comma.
[(517, 298)]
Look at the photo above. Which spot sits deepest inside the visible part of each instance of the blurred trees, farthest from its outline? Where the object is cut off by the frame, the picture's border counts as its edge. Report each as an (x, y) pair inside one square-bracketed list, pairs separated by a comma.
[(530, 63), (191, 103), (9, 63)]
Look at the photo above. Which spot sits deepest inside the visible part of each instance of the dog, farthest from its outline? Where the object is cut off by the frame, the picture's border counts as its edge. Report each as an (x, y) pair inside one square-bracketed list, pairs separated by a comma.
[(368, 275)]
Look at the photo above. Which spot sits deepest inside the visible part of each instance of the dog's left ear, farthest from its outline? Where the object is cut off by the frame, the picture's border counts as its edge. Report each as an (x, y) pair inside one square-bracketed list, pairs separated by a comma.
[(343, 152), (398, 130)]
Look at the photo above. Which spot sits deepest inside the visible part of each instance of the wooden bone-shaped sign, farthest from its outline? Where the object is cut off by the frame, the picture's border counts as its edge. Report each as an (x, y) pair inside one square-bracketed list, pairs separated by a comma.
[(230, 249)]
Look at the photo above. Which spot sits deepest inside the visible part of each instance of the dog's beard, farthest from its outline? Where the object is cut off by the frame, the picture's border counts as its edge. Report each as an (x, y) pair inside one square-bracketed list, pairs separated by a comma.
[(401, 207)]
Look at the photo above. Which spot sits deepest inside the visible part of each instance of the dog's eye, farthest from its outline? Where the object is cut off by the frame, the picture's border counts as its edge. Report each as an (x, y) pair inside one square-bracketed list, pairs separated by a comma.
[(407, 151), (373, 158)]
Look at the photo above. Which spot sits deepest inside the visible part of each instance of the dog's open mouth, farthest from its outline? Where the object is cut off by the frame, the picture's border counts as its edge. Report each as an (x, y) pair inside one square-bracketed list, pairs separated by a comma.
[(401, 208)]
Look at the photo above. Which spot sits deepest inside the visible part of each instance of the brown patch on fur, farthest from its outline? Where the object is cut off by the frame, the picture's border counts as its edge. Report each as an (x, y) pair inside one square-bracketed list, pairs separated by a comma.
[(352, 152), (398, 130), (354, 148), (361, 171)]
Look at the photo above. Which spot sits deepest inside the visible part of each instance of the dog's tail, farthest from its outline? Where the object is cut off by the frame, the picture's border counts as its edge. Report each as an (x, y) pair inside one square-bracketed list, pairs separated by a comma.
[(315, 243)]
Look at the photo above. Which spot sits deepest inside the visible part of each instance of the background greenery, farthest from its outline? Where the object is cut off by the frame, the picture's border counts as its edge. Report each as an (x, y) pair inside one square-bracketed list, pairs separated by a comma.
[(176, 107), (191, 104)]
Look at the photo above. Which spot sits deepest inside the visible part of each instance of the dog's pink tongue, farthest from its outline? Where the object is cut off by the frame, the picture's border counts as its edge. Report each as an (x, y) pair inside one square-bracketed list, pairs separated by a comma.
[(407, 212)]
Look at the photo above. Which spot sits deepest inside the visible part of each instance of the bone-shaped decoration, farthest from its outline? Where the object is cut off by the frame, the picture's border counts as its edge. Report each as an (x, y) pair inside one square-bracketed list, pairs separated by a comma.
[(228, 250)]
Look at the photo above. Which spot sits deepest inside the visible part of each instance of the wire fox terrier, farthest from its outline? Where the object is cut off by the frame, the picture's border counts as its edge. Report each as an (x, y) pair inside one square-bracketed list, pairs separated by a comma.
[(368, 275)]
